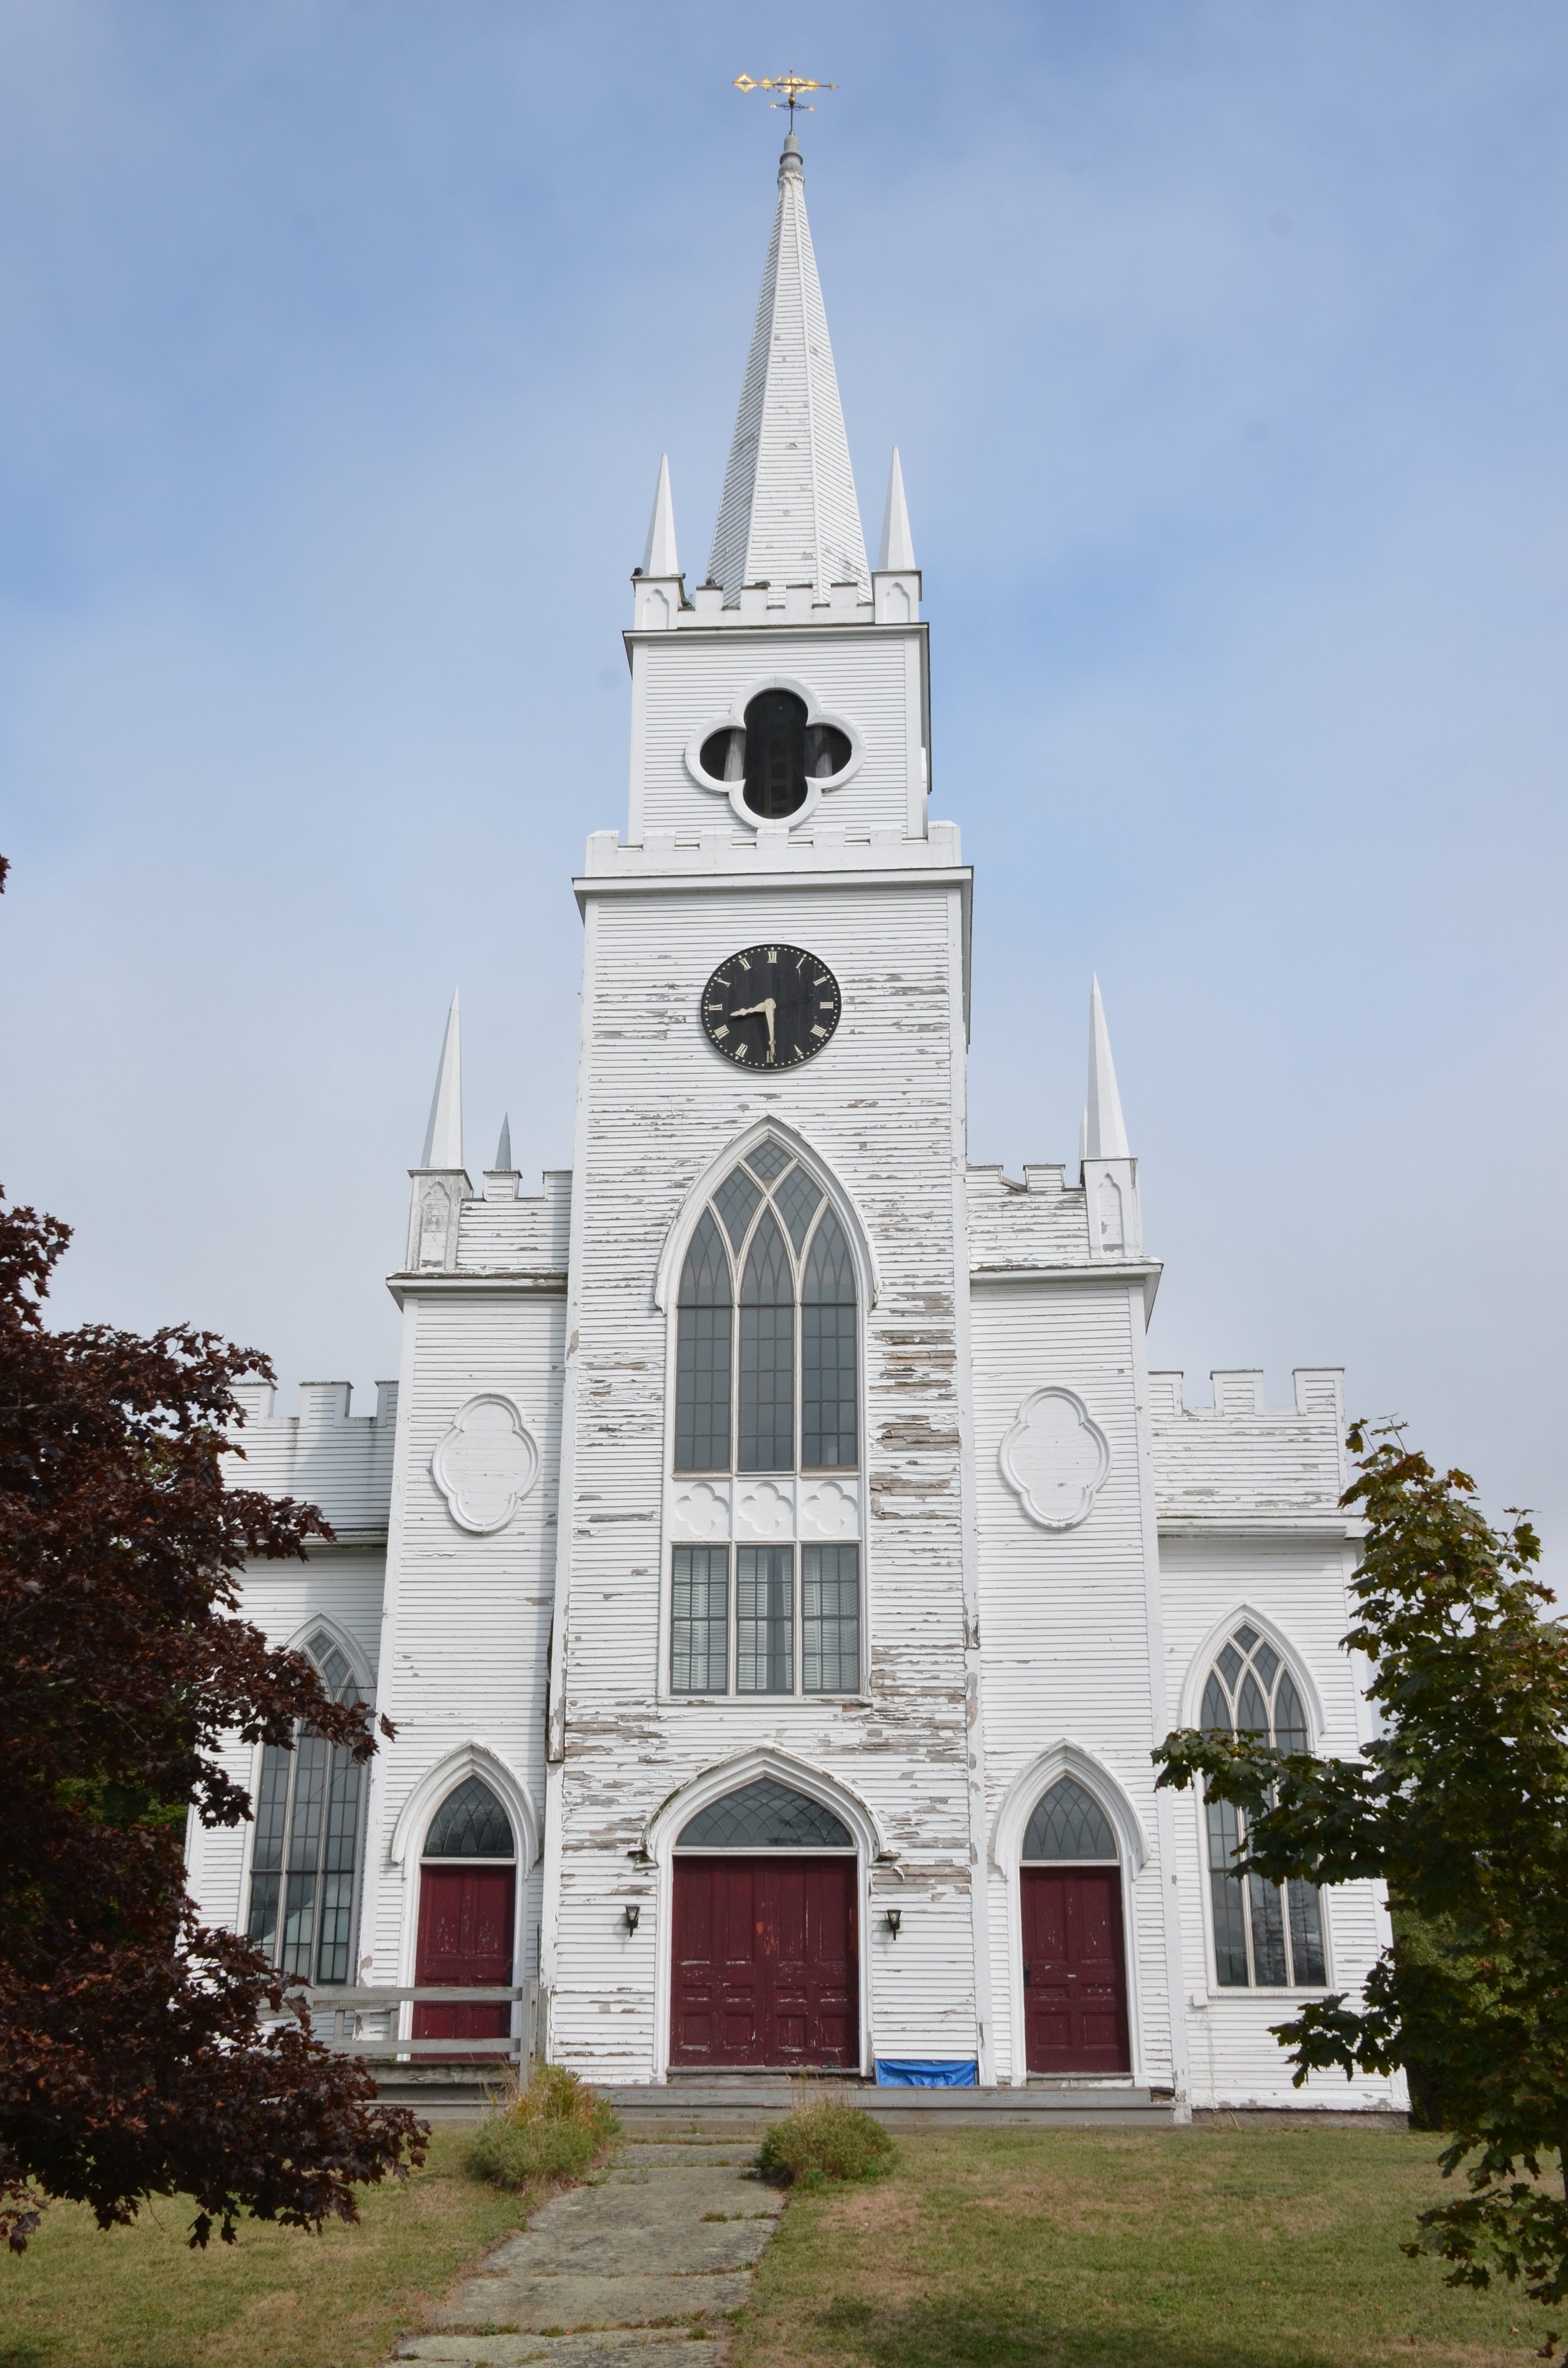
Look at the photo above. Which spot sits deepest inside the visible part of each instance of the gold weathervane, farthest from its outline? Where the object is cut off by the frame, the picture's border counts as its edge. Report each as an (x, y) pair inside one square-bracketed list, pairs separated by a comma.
[(790, 86)]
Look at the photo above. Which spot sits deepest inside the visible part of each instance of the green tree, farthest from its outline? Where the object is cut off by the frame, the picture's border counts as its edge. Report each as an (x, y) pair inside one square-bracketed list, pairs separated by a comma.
[(1460, 1806)]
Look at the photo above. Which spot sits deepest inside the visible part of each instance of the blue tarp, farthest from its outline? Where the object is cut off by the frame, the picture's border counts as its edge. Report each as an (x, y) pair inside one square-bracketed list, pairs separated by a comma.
[(920, 2074)]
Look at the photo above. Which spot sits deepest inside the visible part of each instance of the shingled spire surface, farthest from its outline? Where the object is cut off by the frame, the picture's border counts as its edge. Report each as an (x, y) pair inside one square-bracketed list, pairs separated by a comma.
[(789, 513)]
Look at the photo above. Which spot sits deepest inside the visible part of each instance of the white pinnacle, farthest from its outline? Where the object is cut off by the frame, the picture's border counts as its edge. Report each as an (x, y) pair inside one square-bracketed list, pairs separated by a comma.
[(659, 558), (1105, 1132), (788, 514), (444, 1135), (898, 544)]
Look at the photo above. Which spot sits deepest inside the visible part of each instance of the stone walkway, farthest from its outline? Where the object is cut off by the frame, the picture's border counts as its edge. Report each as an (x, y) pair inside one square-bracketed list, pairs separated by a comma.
[(620, 2274)]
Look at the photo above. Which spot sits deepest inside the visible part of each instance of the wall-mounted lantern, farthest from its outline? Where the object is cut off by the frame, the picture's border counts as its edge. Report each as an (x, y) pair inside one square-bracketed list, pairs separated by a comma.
[(632, 1913), (895, 1917)]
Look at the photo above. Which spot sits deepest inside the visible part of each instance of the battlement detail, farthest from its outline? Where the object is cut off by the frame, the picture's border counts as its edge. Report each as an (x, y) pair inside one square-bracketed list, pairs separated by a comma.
[(504, 1232), (323, 1455), (1239, 1463)]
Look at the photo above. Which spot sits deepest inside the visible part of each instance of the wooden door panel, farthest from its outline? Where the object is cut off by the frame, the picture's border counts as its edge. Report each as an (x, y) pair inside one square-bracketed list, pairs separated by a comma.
[(465, 1936), (1076, 1969), (774, 1940)]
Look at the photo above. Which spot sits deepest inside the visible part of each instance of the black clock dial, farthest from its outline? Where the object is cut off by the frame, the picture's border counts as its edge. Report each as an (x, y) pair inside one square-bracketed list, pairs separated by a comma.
[(770, 1008)]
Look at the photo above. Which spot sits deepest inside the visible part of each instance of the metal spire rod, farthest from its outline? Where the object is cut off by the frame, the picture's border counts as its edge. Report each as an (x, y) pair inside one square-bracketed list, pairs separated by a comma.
[(790, 87)]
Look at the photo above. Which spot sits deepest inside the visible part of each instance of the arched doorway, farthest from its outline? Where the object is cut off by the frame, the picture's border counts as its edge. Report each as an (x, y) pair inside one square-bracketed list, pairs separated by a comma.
[(467, 1913), (766, 1939), (1075, 1949)]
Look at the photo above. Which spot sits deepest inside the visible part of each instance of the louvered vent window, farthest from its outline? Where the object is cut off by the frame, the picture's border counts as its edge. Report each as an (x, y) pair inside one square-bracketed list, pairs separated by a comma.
[(776, 755), (767, 1384), (306, 1855), (1266, 1935)]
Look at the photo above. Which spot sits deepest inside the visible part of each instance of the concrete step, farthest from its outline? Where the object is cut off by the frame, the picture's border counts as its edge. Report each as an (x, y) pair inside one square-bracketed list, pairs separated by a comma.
[(741, 2105), (738, 2106)]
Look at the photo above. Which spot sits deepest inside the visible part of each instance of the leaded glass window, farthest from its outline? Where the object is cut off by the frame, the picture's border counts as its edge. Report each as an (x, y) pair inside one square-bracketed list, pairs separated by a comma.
[(1266, 1935), (1068, 1826), (702, 1354), (765, 1435), (471, 1823), (829, 1398), (766, 1814), (767, 1382), (305, 1858)]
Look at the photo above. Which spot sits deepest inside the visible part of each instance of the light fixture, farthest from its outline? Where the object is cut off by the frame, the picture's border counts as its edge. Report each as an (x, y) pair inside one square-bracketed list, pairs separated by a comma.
[(895, 1917), (632, 1913)]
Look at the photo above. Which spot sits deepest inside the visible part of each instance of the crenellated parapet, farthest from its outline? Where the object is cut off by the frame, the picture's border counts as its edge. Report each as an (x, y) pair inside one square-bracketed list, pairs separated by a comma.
[(324, 1454), (1239, 1465), (505, 1230), (1044, 1225)]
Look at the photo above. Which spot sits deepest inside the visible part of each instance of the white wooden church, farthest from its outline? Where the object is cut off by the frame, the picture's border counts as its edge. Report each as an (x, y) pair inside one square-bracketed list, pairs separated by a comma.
[(775, 1552)]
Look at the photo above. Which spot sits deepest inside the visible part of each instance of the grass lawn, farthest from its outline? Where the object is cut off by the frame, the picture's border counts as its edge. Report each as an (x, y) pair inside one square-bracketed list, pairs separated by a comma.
[(1210, 2247), (85, 2297)]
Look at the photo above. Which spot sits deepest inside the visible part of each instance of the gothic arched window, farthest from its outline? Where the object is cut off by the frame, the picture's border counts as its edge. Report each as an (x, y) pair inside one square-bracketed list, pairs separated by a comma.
[(1266, 1935), (1069, 1827), (307, 1841), (767, 1383), (471, 1823)]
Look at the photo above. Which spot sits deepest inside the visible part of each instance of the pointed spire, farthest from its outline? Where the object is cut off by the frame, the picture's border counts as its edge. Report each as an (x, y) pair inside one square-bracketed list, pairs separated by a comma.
[(898, 544), (444, 1135), (788, 514), (504, 1149), (659, 558), (1105, 1134)]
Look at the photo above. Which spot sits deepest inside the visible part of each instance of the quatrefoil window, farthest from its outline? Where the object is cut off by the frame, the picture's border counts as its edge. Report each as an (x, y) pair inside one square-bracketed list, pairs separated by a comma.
[(771, 760)]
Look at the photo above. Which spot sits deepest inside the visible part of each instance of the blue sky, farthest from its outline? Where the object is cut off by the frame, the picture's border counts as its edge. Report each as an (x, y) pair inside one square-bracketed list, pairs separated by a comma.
[(1225, 347)]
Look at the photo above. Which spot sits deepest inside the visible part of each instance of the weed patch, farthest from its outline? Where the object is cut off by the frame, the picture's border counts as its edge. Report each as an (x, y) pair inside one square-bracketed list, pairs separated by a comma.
[(815, 2145), (554, 2129)]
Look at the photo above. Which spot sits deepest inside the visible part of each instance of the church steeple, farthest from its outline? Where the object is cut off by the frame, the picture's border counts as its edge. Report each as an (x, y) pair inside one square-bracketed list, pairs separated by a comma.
[(788, 514)]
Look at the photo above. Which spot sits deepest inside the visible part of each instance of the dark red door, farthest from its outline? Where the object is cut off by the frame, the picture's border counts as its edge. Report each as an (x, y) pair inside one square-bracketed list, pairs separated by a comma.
[(765, 1963), (465, 1936), (1075, 1970)]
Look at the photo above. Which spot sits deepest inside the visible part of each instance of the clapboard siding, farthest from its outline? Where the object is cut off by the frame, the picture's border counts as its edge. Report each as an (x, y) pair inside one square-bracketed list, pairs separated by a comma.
[(1299, 1588), (866, 677), (879, 1106), (468, 1616), (323, 1455), (1065, 1616)]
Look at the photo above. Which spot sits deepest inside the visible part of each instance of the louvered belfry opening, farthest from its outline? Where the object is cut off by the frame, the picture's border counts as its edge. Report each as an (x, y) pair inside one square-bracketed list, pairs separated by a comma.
[(765, 1966), (776, 754)]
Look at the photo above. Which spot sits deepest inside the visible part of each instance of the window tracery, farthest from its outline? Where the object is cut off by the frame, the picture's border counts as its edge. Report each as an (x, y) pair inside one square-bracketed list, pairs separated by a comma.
[(767, 1383), (305, 1858), (1266, 1935), (1068, 1828), (766, 1814), (470, 1823)]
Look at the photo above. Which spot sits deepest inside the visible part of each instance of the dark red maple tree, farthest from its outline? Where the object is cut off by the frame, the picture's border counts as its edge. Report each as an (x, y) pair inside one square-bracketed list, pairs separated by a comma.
[(133, 2057)]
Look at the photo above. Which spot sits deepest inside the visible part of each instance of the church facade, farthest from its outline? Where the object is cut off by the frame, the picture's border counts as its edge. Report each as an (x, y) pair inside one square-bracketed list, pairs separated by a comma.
[(775, 1554)]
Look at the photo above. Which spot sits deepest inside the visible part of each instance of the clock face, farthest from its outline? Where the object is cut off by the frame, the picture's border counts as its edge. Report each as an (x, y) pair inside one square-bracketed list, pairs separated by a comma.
[(770, 1008)]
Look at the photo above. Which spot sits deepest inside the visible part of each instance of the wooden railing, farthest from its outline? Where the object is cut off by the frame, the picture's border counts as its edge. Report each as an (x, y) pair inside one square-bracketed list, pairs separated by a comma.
[(349, 2010)]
